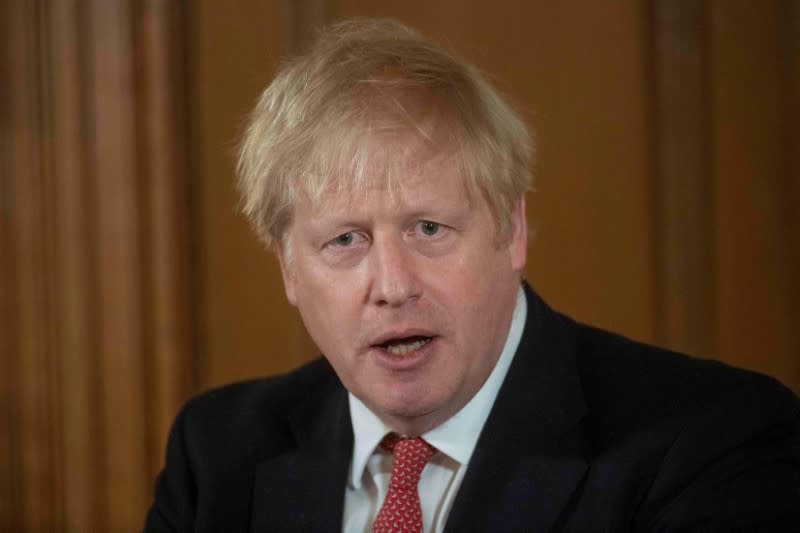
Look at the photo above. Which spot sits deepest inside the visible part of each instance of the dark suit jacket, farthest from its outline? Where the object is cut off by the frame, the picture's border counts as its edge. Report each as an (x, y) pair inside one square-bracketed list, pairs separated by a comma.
[(589, 432)]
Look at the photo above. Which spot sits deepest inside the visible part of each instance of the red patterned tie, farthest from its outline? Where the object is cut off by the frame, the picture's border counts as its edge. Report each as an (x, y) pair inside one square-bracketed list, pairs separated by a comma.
[(401, 510)]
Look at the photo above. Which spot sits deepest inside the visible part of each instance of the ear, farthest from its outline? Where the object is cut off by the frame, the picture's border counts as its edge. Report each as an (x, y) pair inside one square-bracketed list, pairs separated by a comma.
[(518, 239), (287, 272)]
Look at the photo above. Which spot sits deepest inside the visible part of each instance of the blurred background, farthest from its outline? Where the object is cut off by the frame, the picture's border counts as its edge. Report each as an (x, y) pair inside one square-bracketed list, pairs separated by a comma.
[(668, 188)]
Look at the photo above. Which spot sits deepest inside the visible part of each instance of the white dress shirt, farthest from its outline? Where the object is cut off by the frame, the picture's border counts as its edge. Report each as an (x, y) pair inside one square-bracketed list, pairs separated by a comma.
[(371, 466)]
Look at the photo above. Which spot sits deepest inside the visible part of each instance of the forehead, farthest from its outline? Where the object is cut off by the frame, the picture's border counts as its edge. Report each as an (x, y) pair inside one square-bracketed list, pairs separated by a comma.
[(402, 177)]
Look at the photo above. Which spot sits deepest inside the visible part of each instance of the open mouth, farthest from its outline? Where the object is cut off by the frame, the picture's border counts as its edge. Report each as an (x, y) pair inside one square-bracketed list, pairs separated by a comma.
[(405, 345)]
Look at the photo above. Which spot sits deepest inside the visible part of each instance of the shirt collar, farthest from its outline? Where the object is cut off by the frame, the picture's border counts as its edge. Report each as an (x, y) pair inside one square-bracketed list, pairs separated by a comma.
[(458, 435)]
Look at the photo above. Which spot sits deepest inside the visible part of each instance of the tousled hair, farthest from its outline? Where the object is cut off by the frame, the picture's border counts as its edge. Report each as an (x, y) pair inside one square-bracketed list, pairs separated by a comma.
[(319, 124)]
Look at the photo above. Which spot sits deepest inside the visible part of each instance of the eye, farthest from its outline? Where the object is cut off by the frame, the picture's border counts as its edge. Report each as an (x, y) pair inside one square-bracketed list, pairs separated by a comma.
[(426, 227), (345, 239)]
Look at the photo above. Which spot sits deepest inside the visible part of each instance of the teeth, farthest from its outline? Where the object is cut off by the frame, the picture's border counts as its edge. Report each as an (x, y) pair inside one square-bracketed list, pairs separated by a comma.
[(406, 347)]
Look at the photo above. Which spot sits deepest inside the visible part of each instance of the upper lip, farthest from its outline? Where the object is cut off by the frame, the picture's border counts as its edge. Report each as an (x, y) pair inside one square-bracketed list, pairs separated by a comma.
[(401, 334)]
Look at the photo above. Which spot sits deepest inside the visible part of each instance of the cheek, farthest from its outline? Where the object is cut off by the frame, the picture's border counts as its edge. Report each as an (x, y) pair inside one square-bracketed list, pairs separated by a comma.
[(479, 287), (485, 266), (323, 327), (329, 306)]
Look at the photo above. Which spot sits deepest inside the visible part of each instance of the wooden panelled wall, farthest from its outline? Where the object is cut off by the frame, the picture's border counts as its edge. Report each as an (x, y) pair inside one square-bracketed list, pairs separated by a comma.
[(95, 325), (667, 205), (725, 115)]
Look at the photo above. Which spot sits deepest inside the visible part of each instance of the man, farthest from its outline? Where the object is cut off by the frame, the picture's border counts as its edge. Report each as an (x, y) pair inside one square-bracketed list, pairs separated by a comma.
[(389, 177)]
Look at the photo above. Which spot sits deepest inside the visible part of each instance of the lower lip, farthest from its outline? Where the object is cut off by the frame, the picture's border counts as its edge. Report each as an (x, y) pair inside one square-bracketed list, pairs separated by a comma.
[(404, 362)]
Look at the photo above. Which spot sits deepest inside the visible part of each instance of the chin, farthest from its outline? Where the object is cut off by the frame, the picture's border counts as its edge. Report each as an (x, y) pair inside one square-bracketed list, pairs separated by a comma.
[(415, 416)]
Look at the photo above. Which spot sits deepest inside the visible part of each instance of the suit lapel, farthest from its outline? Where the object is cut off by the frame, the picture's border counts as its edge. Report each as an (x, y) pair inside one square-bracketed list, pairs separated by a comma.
[(303, 489), (529, 458)]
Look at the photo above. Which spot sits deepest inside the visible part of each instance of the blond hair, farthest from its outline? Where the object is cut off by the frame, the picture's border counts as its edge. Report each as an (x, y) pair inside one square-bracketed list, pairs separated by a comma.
[(312, 126)]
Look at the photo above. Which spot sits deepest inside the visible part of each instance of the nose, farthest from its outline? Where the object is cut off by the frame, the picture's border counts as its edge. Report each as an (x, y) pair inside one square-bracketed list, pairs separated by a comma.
[(392, 272)]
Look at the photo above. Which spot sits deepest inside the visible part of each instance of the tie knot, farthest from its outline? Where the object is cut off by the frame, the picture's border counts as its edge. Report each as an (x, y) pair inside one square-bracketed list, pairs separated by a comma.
[(410, 456), (403, 445)]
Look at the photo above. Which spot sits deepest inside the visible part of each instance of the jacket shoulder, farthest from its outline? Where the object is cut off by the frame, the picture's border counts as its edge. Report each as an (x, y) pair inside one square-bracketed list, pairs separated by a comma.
[(257, 408), (704, 445), (722, 444), (218, 439), (623, 377)]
